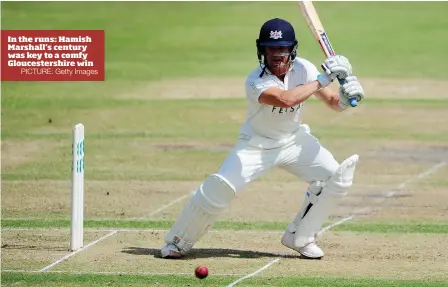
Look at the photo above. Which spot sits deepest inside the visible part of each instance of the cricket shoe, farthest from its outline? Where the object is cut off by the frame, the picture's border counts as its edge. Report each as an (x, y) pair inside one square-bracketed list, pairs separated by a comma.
[(310, 251), (170, 251)]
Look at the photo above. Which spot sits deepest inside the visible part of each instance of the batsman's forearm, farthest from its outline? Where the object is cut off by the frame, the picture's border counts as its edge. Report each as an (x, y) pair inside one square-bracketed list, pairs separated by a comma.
[(334, 104), (330, 98), (300, 93)]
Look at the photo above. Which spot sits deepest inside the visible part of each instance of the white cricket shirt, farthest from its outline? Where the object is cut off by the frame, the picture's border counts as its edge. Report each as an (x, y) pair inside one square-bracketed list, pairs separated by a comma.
[(271, 126)]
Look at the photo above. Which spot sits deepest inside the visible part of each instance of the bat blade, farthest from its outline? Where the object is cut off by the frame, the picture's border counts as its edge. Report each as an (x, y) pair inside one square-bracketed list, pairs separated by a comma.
[(317, 29), (315, 25)]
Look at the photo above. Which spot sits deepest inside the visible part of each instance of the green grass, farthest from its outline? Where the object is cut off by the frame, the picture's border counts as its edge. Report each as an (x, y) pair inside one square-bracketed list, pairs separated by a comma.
[(145, 40), (25, 117), (355, 226), (26, 279), (130, 129), (26, 103)]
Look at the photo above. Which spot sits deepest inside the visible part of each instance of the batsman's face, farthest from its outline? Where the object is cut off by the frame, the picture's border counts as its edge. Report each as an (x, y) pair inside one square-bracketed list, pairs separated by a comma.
[(278, 60)]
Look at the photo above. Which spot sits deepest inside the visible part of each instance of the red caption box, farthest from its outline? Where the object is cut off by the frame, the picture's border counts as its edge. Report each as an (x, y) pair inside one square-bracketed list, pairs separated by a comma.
[(52, 55)]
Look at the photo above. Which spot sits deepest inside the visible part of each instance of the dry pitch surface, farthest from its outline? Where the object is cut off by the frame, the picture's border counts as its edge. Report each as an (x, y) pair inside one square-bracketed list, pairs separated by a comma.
[(415, 196)]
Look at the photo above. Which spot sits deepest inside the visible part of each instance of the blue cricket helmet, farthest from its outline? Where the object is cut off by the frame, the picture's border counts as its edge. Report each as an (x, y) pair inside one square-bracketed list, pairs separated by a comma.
[(277, 33)]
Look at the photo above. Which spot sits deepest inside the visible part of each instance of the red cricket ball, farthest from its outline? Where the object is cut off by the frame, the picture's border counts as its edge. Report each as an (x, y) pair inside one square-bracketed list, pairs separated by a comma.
[(201, 272)]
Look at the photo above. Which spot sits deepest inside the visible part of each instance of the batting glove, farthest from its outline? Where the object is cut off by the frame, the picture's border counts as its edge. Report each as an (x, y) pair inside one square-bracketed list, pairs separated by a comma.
[(350, 89)]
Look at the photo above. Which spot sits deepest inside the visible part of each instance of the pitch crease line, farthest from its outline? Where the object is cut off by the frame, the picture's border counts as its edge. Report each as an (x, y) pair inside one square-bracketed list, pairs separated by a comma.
[(254, 273), (46, 268)]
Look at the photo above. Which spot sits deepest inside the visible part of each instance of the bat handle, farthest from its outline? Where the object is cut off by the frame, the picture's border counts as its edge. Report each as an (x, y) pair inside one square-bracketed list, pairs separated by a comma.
[(353, 102)]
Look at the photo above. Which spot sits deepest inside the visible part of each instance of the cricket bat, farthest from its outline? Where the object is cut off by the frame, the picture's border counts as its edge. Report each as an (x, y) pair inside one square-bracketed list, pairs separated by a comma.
[(318, 31)]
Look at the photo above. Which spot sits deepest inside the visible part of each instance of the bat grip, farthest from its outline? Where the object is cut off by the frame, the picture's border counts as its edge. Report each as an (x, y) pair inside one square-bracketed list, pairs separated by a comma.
[(353, 102)]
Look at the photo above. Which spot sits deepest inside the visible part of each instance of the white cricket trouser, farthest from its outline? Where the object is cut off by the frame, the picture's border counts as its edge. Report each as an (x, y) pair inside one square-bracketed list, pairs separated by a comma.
[(303, 157)]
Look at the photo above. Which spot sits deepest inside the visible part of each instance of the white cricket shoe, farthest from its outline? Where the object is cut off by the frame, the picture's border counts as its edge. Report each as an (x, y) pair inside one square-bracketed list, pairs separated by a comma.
[(310, 251), (170, 251)]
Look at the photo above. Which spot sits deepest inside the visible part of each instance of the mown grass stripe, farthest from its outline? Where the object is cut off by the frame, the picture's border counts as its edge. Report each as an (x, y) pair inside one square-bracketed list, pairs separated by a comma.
[(94, 103), (320, 132), (354, 226), (52, 279)]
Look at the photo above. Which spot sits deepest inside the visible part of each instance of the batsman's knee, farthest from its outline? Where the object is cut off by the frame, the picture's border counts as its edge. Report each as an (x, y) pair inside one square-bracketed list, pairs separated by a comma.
[(342, 178), (320, 199), (337, 184), (214, 195)]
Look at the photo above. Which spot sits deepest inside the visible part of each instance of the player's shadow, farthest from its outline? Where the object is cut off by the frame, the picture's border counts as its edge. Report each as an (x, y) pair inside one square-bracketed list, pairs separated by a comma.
[(210, 252)]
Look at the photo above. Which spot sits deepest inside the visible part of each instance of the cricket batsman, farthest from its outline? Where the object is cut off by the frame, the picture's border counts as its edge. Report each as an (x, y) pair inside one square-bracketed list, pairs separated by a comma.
[(273, 136)]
